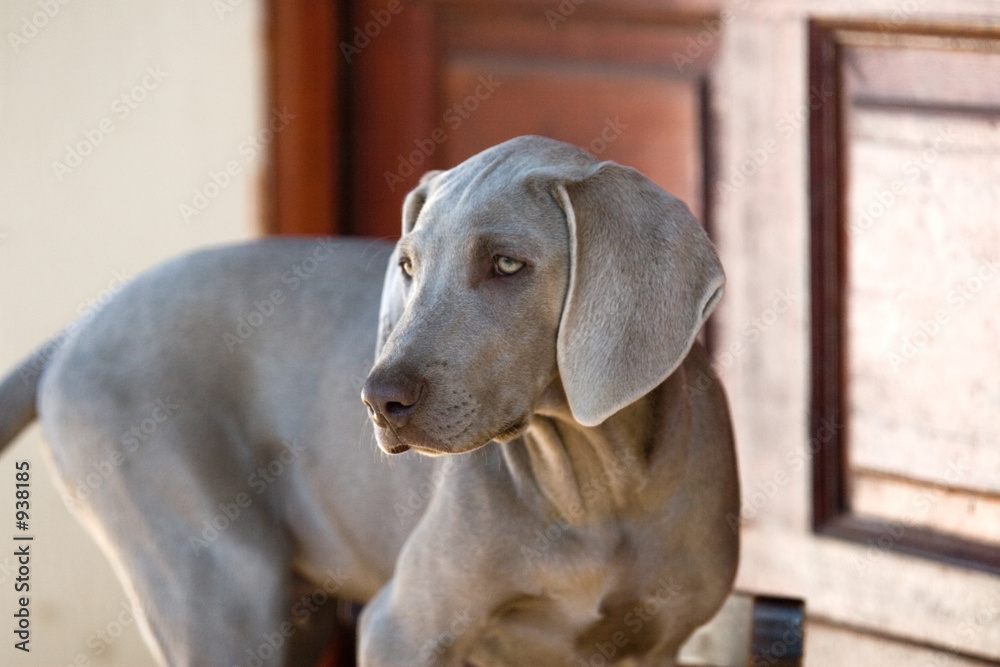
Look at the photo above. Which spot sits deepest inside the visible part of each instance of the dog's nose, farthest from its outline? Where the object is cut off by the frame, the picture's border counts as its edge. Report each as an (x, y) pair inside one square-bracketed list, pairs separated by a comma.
[(391, 398)]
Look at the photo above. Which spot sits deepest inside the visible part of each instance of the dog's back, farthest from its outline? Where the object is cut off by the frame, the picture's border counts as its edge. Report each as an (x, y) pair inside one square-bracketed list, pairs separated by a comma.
[(205, 425)]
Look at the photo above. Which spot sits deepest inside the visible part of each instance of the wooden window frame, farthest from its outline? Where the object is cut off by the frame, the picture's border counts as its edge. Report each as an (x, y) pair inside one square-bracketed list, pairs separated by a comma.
[(828, 431)]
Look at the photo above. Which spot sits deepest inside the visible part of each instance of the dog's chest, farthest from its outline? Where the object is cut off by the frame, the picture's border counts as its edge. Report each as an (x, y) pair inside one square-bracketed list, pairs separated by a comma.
[(591, 598)]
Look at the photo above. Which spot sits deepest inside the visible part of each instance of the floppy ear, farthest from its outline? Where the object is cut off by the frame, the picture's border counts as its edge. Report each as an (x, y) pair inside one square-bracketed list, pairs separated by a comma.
[(643, 279), (393, 287), (415, 199)]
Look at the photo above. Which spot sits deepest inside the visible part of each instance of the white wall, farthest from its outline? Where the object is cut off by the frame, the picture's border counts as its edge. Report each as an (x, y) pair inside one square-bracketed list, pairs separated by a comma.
[(192, 79)]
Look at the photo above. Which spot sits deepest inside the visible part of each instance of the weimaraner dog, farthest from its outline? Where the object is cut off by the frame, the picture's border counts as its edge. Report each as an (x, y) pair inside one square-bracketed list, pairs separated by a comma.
[(560, 484)]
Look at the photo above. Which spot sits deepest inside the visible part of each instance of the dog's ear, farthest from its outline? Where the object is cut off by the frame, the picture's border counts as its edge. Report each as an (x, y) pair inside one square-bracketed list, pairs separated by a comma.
[(414, 201), (393, 287), (643, 279)]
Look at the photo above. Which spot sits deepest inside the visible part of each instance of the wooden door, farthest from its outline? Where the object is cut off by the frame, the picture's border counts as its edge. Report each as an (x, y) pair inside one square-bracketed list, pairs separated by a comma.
[(445, 80), (424, 84), (856, 211)]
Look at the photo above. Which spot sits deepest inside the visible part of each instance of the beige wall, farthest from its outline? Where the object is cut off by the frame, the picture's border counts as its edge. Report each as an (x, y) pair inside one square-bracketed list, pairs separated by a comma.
[(191, 77)]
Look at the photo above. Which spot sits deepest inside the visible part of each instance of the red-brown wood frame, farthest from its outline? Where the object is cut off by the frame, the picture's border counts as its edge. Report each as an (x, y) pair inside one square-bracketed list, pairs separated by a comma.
[(305, 185), (829, 432)]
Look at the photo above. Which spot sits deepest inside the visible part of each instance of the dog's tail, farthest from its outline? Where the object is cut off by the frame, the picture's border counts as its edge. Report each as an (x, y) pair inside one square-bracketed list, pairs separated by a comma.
[(19, 391)]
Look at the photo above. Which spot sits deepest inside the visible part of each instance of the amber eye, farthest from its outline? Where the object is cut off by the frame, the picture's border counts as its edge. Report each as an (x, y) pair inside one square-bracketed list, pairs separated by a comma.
[(406, 266), (507, 266)]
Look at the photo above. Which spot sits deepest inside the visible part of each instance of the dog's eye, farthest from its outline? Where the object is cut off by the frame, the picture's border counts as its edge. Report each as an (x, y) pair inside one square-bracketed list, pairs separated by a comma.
[(406, 266), (507, 266)]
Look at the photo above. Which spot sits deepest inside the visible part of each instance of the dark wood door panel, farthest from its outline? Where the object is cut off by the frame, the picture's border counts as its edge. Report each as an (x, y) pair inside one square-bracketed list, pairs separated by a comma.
[(904, 245), (648, 122), (390, 110), (306, 80), (445, 80)]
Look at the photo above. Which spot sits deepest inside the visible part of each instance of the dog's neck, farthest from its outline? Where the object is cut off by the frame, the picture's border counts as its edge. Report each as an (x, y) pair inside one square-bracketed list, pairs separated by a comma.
[(583, 473)]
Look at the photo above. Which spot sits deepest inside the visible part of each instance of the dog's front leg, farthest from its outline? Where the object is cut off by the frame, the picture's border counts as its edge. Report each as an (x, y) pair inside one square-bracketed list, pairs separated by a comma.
[(381, 642), (397, 633)]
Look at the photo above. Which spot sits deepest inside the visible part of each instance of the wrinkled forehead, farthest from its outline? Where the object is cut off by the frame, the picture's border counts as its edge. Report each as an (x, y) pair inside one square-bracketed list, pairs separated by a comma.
[(510, 187), (495, 203)]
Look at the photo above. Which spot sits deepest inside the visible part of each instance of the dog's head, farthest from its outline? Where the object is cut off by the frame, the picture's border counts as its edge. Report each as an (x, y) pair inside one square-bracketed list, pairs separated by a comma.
[(533, 277)]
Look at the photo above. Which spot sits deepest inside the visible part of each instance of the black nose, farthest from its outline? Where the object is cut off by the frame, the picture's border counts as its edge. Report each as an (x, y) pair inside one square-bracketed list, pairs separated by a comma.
[(391, 398)]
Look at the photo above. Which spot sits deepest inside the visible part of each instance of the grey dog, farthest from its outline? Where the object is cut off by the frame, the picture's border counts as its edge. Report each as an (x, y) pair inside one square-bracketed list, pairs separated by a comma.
[(563, 461)]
